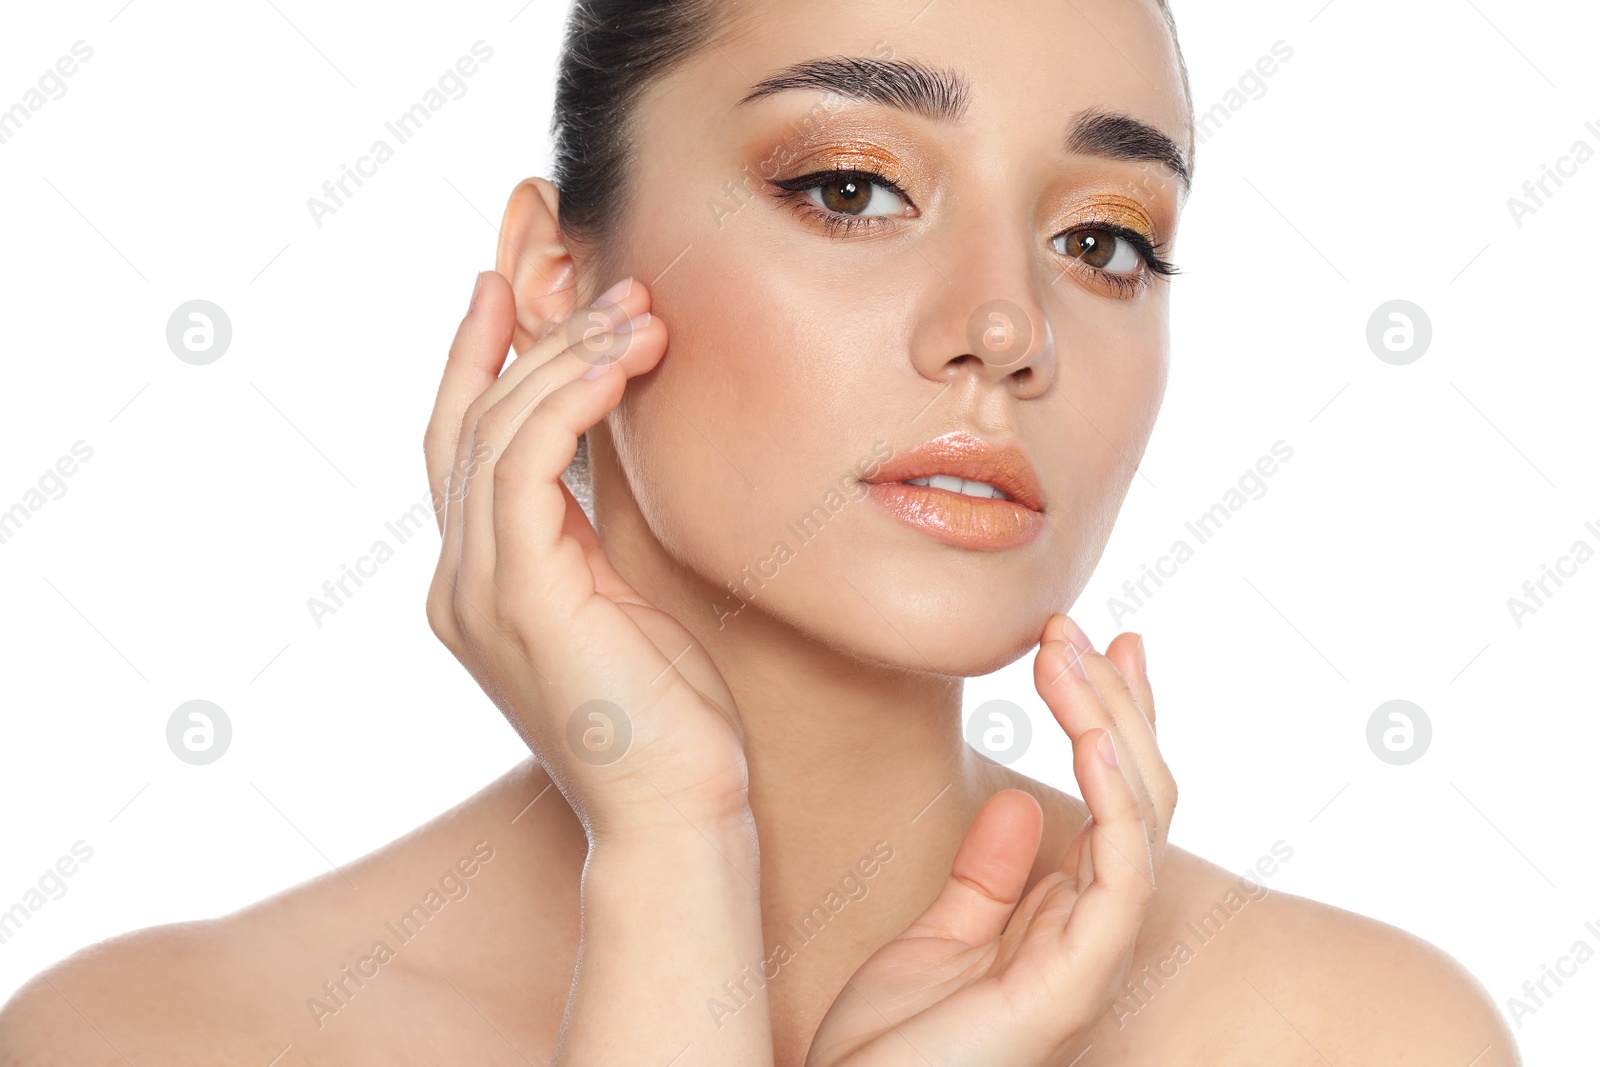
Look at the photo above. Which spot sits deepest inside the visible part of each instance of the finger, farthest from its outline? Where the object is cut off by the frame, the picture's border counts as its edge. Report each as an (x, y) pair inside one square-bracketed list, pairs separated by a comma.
[(1117, 684), (1102, 924), (1105, 834), (1111, 682), (475, 452), (476, 355), (617, 305), (1135, 735), (530, 503), (988, 873), (1085, 692), (1127, 652), (556, 393), (496, 299)]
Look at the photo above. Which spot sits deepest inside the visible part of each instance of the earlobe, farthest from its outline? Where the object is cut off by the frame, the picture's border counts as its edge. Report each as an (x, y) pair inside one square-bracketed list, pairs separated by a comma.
[(532, 256)]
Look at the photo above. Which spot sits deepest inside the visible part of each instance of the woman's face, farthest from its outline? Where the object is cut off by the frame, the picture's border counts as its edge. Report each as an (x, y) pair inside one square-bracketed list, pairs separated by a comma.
[(818, 330)]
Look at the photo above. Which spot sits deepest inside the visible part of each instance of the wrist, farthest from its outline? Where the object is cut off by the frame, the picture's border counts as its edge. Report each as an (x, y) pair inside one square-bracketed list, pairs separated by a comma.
[(702, 875), (677, 837), (665, 826)]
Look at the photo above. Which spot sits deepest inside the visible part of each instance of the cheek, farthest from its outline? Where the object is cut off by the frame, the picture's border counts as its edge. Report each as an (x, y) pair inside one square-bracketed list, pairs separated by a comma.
[(753, 416)]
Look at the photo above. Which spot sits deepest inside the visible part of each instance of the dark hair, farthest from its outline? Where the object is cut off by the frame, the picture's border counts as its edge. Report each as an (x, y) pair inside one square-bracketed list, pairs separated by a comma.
[(613, 52)]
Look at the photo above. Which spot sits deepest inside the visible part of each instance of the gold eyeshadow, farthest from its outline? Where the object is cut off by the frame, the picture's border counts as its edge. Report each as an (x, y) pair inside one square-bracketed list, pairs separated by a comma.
[(844, 142), (846, 155), (1112, 209)]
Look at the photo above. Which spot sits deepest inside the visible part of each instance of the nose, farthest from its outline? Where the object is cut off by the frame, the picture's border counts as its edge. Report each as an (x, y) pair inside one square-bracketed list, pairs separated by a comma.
[(995, 330)]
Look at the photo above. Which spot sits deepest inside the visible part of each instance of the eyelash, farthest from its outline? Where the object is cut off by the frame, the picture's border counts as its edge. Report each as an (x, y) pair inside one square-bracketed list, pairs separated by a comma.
[(841, 225)]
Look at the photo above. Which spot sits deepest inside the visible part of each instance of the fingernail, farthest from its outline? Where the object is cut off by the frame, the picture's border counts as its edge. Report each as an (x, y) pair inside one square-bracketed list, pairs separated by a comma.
[(638, 322), (1143, 666), (1079, 641), (1075, 633), (477, 288), (616, 294), (1107, 748), (1075, 660), (595, 371)]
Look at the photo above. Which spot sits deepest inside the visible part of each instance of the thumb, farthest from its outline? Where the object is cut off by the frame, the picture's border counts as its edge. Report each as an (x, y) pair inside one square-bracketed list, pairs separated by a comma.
[(988, 873)]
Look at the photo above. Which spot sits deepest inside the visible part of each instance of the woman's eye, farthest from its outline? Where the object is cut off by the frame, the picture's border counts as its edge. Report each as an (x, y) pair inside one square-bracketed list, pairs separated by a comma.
[(856, 194), (1100, 249)]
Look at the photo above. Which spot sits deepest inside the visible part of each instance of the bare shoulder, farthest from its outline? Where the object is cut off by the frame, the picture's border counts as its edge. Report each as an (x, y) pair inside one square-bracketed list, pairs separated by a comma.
[(382, 960), (136, 996), (1259, 975), (1228, 971)]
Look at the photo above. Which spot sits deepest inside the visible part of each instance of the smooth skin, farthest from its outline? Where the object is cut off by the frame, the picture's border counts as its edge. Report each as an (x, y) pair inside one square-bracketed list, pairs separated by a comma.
[(781, 735)]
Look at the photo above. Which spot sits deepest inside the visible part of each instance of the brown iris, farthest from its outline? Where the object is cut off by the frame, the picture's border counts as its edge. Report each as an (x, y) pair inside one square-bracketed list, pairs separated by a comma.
[(1092, 246), (848, 194)]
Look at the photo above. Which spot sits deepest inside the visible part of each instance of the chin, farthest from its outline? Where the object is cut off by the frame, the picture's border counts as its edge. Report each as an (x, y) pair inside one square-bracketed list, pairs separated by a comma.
[(920, 611)]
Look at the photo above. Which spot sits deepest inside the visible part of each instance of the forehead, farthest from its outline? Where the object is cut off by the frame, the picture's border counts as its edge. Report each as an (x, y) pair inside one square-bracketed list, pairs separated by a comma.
[(1027, 65)]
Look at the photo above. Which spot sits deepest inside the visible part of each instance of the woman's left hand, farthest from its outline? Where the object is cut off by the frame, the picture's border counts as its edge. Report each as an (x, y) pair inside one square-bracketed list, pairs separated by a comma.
[(980, 978)]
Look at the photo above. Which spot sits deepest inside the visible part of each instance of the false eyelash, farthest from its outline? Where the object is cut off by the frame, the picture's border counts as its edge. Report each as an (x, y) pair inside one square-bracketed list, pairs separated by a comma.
[(841, 225), (1149, 252)]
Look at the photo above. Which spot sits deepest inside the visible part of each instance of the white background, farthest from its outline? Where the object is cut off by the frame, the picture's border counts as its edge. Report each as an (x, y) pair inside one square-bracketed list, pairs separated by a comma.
[(1377, 165)]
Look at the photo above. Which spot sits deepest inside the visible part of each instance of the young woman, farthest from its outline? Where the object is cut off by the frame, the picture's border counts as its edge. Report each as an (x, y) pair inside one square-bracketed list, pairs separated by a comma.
[(888, 342)]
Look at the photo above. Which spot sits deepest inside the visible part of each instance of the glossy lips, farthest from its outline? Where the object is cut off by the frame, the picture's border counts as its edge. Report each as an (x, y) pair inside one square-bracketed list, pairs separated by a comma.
[(986, 524)]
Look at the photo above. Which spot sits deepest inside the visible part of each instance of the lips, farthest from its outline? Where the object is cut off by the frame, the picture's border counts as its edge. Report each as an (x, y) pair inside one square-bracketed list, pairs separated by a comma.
[(954, 518)]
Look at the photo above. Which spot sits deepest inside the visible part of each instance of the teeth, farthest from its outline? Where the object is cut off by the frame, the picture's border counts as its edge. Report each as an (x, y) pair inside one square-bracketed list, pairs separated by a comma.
[(953, 484)]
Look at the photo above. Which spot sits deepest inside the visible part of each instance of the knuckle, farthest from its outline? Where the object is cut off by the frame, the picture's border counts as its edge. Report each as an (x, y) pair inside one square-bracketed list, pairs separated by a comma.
[(460, 612), (491, 429), (441, 614), (434, 437)]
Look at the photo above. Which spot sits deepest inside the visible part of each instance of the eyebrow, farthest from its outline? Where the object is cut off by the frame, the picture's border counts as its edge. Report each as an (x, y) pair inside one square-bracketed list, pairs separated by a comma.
[(944, 95)]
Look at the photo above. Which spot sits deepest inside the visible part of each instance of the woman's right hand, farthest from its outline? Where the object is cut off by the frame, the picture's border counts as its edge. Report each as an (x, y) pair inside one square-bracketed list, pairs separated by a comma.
[(619, 702)]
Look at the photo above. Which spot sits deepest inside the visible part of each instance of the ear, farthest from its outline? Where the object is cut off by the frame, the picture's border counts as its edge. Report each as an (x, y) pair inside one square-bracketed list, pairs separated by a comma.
[(534, 259)]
